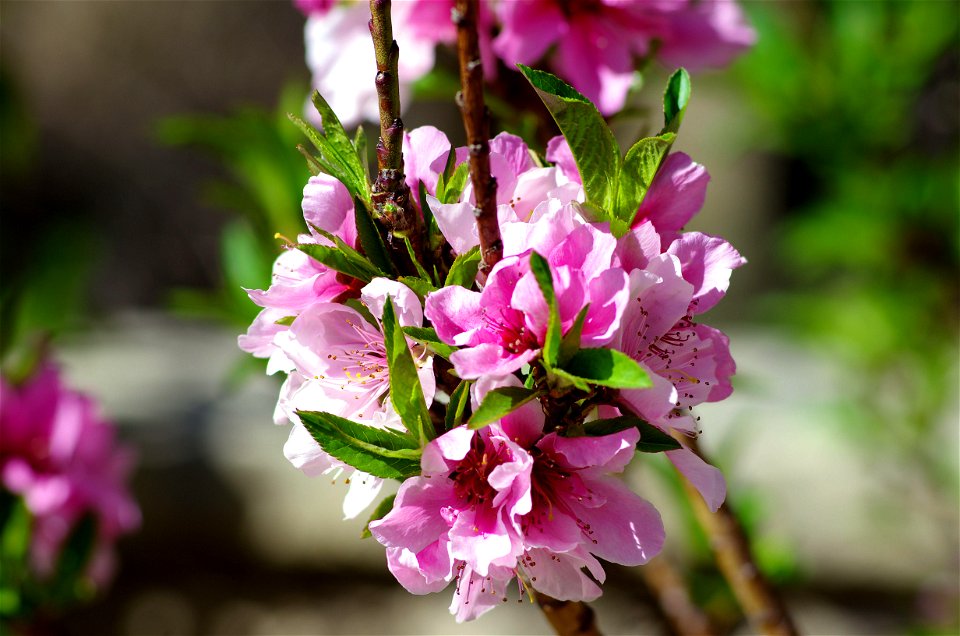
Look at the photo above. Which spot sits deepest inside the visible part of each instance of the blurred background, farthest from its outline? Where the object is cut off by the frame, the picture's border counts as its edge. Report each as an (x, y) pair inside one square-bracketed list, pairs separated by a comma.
[(147, 162)]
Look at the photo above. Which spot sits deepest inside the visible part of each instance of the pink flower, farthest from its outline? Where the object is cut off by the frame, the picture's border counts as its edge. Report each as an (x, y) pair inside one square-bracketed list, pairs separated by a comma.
[(63, 460), (687, 362), (340, 367), (503, 327), (298, 280), (341, 60), (597, 40), (508, 502)]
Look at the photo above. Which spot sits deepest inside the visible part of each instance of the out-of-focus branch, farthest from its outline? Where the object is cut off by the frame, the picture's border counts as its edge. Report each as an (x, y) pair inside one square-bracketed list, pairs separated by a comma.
[(757, 597), (391, 197), (476, 121), (673, 599), (568, 618)]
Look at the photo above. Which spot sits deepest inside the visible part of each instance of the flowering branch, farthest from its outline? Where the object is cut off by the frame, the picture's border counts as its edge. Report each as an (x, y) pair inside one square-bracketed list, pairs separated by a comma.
[(476, 121), (759, 600), (390, 194)]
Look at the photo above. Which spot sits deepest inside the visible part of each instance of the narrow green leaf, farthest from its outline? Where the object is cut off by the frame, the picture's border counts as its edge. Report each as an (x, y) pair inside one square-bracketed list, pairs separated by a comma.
[(459, 400), (369, 238), (329, 165), (453, 188), (639, 168), (406, 394), (551, 345), (382, 510), (416, 261), (675, 100), (346, 262), (444, 177), (314, 165), (463, 272), (379, 452), (607, 367), (434, 236), (286, 321), (591, 141), (429, 337), (571, 341), (360, 146), (500, 402), (652, 439), (341, 150)]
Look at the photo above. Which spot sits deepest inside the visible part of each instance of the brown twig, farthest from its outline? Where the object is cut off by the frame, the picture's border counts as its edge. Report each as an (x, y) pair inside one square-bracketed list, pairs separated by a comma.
[(476, 121), (760, 602), (568, 618), (673, 599), (393, 208)]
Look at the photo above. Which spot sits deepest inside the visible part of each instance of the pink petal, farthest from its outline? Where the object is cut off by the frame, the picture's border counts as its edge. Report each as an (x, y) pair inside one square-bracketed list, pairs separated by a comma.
[(676, 194), (707, 479), (626, 528), (415, 521), (707, 263)]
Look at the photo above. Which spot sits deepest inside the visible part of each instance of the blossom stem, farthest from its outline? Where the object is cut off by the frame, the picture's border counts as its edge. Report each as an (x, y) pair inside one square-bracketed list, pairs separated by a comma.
[(476, 121), (760, 602), (568, 618), (393, 208)]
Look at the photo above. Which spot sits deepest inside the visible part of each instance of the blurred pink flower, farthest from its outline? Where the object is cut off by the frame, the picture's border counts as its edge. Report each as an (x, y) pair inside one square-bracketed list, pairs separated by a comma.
[(64, 461), (597, 41)]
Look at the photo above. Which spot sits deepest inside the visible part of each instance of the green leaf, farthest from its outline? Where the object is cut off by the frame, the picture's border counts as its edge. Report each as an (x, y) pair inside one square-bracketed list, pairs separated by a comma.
[(607, 367), (15, 529), (347, 261), (286, 321), (434, 236), (74, 557), (424, 274), (592, 143), (675, 100), (500, 402), (360, 146), (463, 272), (571, 341), (369, 238), (406, 394), (379, 452), (639, 168), (429, 337), (382, 510), (652, 439), (340, 150), (551, 344), (453, 188), (459, 400)]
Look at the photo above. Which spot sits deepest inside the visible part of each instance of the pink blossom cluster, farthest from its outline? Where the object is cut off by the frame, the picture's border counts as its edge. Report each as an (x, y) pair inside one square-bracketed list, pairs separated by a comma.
[(516, 499), (64, 461), (595, 45)]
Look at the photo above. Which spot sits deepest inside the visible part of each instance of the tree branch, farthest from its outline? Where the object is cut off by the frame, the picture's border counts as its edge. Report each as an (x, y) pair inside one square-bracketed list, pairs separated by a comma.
[(731, 547), (668, 588), (393, 209), (476, 121), (568, 618)]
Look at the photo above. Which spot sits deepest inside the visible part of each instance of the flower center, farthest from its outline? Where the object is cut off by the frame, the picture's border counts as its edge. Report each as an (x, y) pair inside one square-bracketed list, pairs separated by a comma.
[(470, 477)]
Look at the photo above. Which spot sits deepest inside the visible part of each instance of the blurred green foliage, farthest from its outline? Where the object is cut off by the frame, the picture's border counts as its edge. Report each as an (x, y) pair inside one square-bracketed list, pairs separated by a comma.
[(858, 100), (264, 188)]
